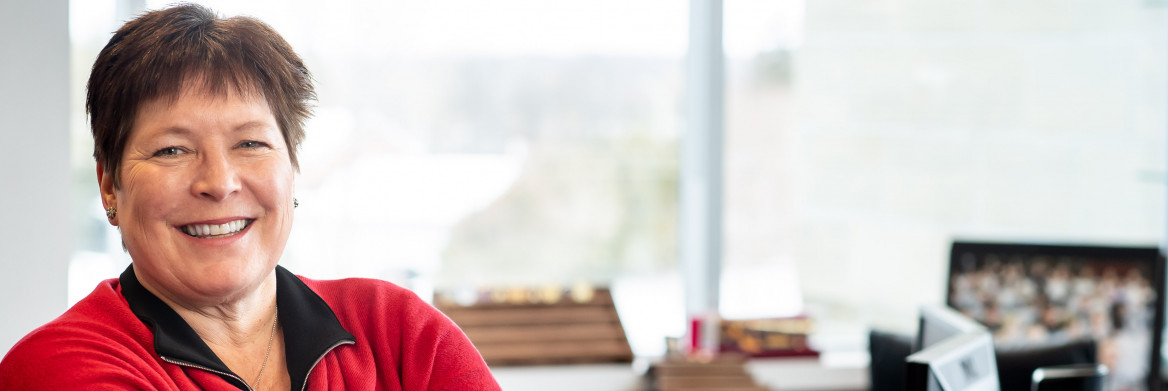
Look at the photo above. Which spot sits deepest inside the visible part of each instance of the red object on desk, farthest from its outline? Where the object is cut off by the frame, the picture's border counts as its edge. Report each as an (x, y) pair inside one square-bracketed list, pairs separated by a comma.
[(695, 334)]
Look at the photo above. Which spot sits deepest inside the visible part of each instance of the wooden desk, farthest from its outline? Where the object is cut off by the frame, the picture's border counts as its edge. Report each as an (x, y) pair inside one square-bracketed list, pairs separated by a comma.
[(581, 377), (837, 372)]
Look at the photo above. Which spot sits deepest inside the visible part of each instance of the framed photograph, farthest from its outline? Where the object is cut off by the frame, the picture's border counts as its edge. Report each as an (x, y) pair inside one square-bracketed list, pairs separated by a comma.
[(1038, 294)]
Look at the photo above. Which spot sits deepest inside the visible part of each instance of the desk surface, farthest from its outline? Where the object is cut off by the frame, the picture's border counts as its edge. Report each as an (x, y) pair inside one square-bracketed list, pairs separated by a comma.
[(828, 372), (584, 377)]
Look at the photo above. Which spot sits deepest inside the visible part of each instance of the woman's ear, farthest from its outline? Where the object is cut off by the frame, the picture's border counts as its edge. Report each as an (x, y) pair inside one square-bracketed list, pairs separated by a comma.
[(105, 185)]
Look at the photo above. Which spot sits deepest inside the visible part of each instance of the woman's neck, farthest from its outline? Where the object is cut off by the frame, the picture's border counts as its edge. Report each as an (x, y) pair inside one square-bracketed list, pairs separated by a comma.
[(226, 321), (243, 332)]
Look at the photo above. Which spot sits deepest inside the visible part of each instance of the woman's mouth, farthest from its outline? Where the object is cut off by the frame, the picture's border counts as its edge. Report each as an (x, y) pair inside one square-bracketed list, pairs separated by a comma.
[(211, 231)]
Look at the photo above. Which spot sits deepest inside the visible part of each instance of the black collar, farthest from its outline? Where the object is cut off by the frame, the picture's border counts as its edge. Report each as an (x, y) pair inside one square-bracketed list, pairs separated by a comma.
[(311, 328)]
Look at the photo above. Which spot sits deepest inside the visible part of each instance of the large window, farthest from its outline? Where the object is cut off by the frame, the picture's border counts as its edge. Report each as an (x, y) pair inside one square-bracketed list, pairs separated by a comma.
[(863, 137), (462, 143)]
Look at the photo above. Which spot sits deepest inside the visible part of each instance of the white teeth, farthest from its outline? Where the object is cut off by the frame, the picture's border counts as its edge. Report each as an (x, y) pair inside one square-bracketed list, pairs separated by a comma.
[(228, 228)]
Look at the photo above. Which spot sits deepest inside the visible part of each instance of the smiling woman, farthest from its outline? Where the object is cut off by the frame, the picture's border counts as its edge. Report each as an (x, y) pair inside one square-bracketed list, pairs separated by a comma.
[(196, 122), (196, 162)]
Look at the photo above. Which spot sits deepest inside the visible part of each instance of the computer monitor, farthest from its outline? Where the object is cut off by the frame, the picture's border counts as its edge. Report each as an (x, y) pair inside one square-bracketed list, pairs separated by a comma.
[(957, 354), (1041, 294), (939, 323)]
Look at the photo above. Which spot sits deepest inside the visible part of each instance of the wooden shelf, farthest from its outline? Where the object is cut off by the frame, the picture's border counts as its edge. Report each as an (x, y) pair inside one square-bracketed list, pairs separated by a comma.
[(534, 332), (725, 373)]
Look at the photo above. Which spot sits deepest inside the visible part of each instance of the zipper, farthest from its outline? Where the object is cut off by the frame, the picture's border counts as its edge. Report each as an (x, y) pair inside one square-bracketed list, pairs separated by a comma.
[(196, 366), (326, 351), (233, 376)]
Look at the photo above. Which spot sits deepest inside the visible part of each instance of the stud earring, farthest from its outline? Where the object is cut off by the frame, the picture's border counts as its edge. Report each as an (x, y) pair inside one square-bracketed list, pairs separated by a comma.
[(295, 202), (111, 212)]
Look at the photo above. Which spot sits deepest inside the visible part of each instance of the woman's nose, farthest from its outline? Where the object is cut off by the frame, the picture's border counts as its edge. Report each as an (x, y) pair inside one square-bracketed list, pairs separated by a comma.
[(216, 178)]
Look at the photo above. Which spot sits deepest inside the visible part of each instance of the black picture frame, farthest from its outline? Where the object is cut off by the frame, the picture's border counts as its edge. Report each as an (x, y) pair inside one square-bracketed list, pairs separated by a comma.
[(968, 257)]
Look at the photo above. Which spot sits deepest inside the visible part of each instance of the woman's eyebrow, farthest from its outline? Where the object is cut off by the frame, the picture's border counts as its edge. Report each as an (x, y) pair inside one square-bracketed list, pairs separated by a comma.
[(181, 130), (174, 129), (251, 125)]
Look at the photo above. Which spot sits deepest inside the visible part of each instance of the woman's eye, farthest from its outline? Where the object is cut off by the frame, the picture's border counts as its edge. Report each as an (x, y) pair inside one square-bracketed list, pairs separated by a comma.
[(168, 151), (252, 144)]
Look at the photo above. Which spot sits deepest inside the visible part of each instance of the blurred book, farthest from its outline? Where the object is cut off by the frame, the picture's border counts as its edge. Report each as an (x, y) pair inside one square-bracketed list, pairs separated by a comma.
[(774, 337)]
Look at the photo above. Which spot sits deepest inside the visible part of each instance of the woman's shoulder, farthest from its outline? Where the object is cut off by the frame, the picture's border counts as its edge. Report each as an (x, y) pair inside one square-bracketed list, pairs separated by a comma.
[(361, 289), (374, 302), (390, 320), (98, 332), (102, 317)]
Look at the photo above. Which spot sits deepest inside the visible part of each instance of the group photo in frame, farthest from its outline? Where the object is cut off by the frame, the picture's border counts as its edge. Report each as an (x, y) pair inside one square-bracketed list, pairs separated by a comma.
[(1039, 295)]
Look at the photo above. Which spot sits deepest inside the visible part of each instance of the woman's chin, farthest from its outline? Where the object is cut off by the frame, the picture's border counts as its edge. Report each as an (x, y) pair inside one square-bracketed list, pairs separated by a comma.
[(219, 283), (232, 279)]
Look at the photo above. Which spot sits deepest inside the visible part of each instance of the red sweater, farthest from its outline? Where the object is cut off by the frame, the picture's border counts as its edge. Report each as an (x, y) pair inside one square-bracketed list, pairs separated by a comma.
[(383, 337)]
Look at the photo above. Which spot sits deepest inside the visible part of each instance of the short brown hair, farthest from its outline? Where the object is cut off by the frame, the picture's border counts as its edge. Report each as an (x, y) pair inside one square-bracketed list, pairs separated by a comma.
[(152, 56)]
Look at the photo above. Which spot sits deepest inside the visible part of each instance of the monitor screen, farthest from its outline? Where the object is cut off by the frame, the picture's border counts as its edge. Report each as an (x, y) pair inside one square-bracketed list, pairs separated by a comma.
[(939, 323), (1041, 294), (957, 354)]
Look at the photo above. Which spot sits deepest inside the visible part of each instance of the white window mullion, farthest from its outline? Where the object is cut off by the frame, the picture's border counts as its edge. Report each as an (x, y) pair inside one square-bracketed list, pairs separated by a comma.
[(701, 167)]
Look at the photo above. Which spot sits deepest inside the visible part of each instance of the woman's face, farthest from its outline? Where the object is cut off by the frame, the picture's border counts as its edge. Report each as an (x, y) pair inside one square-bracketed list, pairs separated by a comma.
[(205, 202)]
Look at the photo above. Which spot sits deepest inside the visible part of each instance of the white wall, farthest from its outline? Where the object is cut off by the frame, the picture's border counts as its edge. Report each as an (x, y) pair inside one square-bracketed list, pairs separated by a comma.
[(34, 165)]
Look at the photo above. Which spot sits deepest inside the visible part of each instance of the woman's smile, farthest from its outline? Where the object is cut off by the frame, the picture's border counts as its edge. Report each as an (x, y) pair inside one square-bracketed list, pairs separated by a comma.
[(215, 230)]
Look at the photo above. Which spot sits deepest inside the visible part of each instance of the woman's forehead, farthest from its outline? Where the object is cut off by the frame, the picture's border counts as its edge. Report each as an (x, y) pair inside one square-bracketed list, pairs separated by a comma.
[(204, 89), (198, 109), (215, 85)]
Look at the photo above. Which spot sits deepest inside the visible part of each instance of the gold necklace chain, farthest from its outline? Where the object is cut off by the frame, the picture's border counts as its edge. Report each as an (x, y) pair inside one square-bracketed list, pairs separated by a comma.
[(269, 351)]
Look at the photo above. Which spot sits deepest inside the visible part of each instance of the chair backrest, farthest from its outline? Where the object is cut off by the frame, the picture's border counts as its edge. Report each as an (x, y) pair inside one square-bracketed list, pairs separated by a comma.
[(1016, 366), (886, 367), (1085, 377)]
